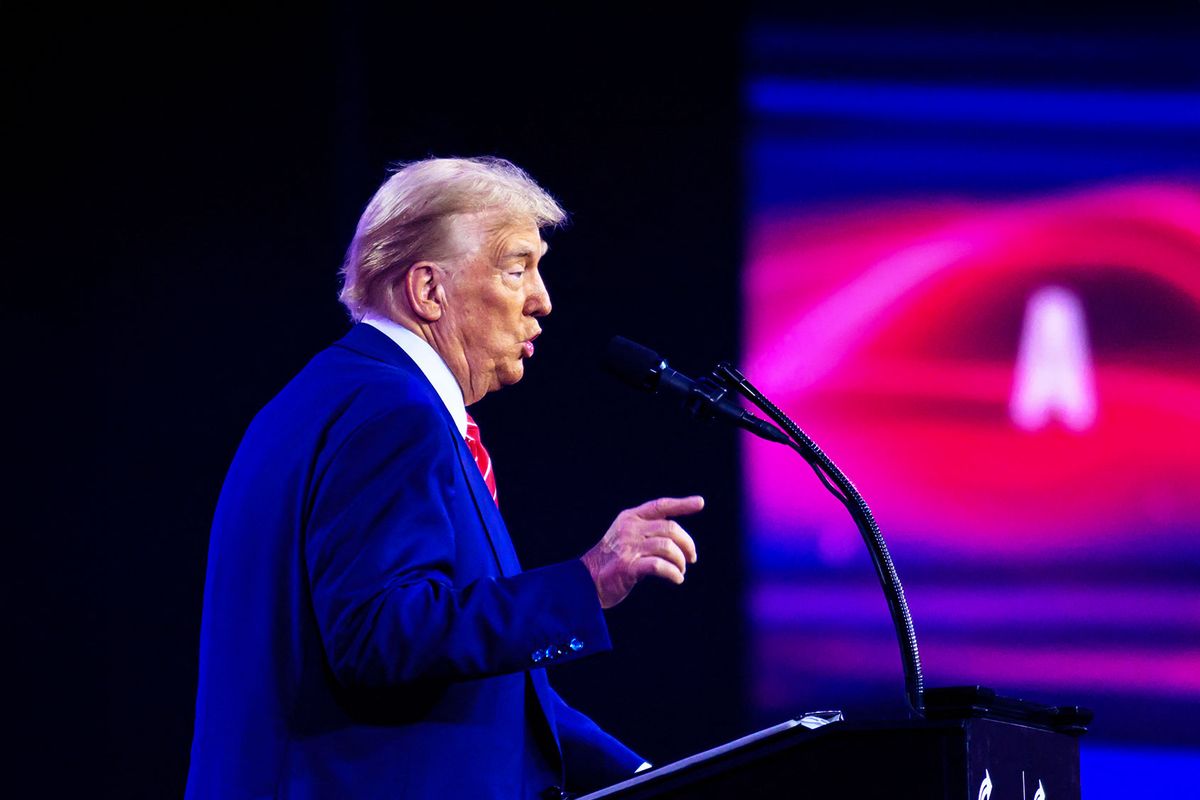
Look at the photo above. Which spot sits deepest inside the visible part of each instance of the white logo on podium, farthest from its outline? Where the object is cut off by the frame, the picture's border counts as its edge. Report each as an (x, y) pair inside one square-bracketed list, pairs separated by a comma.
[(985, 788), (1054, 366)]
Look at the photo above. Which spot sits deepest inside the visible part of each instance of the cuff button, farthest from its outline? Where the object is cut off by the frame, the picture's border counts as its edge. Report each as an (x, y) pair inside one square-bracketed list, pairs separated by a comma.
[(575, 645)]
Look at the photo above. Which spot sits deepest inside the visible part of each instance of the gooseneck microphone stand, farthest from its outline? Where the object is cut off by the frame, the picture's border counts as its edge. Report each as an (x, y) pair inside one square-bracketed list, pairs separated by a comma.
[(727, 376), (707, 399)]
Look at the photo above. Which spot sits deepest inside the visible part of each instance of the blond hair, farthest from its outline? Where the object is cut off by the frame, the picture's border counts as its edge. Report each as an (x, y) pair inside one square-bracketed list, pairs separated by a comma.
[(408, 220)]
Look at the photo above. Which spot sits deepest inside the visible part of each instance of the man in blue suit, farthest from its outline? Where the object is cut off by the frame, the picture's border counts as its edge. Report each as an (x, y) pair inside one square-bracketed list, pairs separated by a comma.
[(368, 631)]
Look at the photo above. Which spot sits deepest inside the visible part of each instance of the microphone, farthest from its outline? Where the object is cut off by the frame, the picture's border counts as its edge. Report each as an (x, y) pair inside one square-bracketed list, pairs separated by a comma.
[(707, 399)]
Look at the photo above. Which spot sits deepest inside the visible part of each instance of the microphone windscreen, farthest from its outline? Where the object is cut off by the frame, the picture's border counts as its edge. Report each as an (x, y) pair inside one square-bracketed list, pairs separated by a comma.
[(632, 363)]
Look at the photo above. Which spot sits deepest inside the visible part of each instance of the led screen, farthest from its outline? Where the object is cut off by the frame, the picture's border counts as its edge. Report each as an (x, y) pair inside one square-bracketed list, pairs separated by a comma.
[(981, 297)]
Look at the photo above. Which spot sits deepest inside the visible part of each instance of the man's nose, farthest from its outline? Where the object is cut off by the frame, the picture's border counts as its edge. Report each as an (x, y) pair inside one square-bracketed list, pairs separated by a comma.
[(538, 304)]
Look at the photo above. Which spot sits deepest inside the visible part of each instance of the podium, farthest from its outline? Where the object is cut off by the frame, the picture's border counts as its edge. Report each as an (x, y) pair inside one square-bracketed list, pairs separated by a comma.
[(948, 759)]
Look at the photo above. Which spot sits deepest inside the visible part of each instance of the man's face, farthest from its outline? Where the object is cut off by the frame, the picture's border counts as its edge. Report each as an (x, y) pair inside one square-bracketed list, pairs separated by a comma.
[(495, 296)]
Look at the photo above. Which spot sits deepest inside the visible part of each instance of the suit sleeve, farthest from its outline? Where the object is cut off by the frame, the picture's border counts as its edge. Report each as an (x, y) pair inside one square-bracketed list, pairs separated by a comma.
[(380, 554), (594, 758)]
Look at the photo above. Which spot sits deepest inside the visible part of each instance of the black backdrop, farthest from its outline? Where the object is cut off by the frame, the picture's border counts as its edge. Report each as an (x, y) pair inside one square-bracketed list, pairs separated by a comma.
[(182, 185), (195, 181)]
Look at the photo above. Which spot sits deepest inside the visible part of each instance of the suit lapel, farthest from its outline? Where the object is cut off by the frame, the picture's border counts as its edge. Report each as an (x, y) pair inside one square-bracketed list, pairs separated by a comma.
[(373, 343), (489, 515)]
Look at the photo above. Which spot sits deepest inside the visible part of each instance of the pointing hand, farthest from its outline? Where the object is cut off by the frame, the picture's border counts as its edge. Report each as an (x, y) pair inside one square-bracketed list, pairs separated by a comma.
[(643, 541)]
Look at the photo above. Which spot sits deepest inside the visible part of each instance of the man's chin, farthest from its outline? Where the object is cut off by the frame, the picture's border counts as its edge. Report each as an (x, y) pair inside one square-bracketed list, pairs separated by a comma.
[(513, 374)]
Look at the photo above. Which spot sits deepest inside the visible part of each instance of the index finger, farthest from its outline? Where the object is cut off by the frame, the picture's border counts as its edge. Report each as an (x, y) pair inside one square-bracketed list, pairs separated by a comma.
[(665, 507)]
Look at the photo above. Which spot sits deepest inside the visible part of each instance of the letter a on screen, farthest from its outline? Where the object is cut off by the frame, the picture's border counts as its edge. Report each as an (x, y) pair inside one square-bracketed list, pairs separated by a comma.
[(1054, 370)]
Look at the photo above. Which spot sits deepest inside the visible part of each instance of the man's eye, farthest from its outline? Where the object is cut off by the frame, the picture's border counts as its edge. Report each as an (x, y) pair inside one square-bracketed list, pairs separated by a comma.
[(518, 272)]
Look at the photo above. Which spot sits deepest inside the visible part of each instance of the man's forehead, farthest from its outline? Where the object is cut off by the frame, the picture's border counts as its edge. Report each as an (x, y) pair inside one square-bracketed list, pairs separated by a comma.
[(519, 237), (502, 234)]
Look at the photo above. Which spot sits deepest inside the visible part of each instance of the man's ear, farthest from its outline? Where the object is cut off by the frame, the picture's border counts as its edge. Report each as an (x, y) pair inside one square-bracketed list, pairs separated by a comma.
[(422, 290)]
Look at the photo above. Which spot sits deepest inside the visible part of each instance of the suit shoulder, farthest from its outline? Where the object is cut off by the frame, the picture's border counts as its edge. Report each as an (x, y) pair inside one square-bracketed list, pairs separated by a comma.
[(367, 383), (340, 390)]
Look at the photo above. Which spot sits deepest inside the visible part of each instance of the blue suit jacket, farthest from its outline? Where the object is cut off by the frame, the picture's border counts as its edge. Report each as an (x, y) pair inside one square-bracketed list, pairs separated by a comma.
[(367, 630)]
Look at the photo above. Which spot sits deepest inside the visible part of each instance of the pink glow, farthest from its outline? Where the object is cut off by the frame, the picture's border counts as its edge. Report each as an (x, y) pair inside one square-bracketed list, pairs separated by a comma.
[(863, 325), (788, 658), (1096, 610), (877, 270)]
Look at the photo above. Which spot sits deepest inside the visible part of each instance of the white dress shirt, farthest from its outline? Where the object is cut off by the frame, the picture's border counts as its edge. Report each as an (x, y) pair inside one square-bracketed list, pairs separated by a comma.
[(430, 363)]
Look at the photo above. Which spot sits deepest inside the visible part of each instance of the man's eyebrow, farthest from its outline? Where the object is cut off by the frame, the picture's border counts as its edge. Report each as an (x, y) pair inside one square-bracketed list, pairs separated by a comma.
[(525, 251)]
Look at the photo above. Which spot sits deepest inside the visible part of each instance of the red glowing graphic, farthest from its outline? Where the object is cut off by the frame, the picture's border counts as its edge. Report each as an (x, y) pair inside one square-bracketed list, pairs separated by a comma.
[(1001, 379)]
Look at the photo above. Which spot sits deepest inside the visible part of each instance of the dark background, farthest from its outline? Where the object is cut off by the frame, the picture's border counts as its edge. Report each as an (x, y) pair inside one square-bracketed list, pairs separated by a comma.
[(183, 187)]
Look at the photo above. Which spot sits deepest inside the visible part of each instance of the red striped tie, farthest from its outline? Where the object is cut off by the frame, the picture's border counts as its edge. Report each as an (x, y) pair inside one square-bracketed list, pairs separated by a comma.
[(482, 459)]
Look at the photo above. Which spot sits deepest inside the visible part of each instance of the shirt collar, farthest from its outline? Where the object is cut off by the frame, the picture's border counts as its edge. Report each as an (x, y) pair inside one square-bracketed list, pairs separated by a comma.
[(430, 363)]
